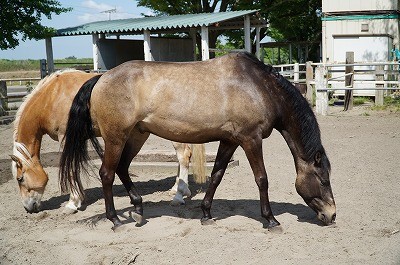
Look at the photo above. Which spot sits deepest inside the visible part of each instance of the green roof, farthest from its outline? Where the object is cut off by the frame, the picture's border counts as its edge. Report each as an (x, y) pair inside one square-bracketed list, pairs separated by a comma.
[(162, 23)]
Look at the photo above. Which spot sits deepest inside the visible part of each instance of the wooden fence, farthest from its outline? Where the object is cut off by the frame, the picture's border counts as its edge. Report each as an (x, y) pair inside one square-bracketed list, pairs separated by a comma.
[(316, 79), (12, 91), (373, 79)]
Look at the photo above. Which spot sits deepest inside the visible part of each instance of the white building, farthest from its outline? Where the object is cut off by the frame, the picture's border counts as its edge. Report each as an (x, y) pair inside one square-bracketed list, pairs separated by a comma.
[(369, 28)]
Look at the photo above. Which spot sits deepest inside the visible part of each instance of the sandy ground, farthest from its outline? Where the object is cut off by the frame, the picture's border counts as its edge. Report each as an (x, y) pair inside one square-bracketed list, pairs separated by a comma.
[(363, 147)]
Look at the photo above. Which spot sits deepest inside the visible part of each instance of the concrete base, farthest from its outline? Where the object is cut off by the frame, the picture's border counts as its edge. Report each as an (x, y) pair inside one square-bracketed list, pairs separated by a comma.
[(165, 162)]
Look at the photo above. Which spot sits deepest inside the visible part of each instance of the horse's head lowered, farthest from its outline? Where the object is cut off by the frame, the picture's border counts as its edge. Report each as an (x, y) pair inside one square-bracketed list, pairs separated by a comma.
[(31, 177), (313, 184)]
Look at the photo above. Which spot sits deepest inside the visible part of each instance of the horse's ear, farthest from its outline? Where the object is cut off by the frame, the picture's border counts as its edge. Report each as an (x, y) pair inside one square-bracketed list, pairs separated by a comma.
[(317, 158), (16, 160)]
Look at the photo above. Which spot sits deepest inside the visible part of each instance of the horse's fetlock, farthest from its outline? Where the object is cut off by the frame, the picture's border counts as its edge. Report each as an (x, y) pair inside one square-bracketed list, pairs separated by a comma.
[(136, 200)]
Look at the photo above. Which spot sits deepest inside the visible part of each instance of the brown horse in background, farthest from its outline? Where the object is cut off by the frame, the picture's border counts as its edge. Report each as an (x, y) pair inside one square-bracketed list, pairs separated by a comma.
[(45, 111), (234, 99)]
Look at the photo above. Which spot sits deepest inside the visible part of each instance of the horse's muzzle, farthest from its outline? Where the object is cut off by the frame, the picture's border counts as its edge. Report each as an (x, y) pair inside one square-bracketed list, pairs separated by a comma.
[(328, 216), (31, 206)]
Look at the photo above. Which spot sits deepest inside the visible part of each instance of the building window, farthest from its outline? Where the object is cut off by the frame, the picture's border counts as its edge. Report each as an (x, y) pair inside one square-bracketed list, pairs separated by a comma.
[(364, 27)]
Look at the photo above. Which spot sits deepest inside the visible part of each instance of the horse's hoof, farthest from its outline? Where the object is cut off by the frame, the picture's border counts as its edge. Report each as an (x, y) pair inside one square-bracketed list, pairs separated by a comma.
[(177, 202), (137, 218), (119, 228), (208, 221), (69, 211), (187, 193), (271, 224)]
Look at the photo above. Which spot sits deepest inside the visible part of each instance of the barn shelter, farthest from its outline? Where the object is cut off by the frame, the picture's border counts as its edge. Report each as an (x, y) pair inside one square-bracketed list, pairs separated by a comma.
[(110, 49)]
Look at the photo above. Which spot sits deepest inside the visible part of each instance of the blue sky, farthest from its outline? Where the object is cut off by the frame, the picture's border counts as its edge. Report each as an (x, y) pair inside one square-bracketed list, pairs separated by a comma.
[(80, 46)]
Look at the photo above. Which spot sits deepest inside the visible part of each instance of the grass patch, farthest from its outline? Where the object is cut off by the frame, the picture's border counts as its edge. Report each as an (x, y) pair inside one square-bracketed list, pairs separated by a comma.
[(34, 65), (389, 103), (357, 101)]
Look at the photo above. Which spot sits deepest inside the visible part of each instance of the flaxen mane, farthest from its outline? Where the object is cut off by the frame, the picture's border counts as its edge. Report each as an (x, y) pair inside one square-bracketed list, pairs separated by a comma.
[(27, 98)]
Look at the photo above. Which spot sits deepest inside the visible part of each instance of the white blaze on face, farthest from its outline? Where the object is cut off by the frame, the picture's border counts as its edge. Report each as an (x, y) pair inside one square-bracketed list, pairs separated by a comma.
[(13, 164)]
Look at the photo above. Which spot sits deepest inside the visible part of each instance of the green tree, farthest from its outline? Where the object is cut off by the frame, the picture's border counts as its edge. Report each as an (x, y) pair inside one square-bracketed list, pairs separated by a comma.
[(24, 17), (289, 20)]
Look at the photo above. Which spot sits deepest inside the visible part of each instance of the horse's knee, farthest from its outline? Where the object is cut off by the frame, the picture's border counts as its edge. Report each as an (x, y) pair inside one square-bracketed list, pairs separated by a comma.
[(106, 176), (262, 181)]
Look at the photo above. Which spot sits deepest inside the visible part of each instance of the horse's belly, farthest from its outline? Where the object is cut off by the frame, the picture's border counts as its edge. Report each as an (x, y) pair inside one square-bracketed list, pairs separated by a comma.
[(185, 132)]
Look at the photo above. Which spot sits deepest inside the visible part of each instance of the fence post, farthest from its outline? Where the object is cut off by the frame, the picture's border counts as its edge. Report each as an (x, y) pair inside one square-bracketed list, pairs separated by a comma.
[(379, 72), (320, 91), (296, 73), (309, 78), (3, 98), (43, 68), (348, 94)]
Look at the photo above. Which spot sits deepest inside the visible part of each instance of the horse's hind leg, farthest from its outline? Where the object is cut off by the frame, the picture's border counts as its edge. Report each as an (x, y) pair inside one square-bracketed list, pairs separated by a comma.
[(224, 154), (112, 153), (132, 147), (181, 187), (253, 150)]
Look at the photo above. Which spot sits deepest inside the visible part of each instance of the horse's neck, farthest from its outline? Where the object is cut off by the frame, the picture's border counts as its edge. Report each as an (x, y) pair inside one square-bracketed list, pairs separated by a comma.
[(30, 134), (295, 145)]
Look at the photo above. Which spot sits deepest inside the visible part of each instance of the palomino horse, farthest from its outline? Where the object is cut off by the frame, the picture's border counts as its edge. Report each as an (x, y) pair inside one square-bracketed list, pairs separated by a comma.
[(45, 111), (234, 99)]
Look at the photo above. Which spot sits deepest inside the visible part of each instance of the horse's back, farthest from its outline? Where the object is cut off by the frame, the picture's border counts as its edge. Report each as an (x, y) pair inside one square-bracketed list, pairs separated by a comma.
[(55, 100)]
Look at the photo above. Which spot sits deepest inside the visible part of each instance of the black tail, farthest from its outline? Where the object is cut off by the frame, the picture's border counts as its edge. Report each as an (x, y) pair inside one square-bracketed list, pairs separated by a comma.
[(79, 129)]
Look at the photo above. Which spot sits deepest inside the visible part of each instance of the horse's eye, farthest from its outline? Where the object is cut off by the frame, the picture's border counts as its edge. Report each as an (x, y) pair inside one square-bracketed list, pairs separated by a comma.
[(20, 179), (325, 183)]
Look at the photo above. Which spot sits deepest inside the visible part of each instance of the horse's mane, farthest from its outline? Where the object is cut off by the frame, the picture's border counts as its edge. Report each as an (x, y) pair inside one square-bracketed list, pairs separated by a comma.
[(41, 85), (310, 132)]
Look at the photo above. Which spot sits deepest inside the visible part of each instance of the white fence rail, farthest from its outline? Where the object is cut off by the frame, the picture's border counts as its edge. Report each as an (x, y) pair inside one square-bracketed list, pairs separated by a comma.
[(375, 77), (372, 79)]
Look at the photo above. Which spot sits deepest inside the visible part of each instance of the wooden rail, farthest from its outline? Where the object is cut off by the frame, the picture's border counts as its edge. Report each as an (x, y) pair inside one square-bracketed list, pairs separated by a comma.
[(372, 79)]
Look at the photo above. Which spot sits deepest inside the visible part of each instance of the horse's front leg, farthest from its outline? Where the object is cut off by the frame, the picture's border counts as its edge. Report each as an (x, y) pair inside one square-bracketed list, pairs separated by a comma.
[(181, 187), (254, 153), (224, 155)]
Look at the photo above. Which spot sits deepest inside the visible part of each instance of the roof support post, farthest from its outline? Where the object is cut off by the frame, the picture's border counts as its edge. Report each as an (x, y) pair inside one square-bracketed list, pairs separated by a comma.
[(49, 55), (95, 39), (205, 52), (247, 40), (193, 33), (147, 46), (258, 50)]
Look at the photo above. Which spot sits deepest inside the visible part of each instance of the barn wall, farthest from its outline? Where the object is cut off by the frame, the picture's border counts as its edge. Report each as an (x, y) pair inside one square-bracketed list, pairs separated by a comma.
[(359, 5), (114, 52), (381, 20), (353, 28), (172, 49)]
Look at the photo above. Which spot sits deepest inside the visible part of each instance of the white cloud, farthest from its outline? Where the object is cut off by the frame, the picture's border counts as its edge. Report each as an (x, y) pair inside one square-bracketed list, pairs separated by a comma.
[(97, 6), (97, 12)]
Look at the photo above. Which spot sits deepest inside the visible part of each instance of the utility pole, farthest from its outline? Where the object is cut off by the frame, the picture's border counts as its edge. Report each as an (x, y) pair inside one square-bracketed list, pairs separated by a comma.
[(114, 10)]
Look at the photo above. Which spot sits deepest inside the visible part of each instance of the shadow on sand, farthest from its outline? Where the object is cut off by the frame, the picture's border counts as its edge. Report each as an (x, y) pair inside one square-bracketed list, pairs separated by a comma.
[(222, 208)]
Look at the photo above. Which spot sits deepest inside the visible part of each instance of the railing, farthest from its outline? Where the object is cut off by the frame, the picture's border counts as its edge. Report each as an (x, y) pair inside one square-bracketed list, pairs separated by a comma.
[(12, 90), (314, 78), (372, 79)]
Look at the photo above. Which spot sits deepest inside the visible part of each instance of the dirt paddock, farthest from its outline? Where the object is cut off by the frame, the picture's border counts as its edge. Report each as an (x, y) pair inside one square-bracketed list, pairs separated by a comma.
[(363, 147)]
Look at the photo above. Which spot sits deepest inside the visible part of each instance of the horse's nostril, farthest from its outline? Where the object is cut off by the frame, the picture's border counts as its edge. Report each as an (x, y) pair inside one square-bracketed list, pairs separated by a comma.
[(323, 218), (333, 217)]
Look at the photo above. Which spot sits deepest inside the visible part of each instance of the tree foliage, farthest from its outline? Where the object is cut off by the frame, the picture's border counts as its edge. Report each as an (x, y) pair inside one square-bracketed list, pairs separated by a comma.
[(23, 17), (289, 20)]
